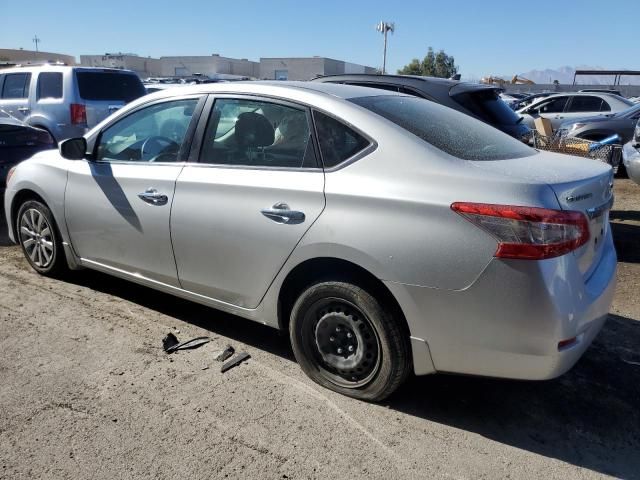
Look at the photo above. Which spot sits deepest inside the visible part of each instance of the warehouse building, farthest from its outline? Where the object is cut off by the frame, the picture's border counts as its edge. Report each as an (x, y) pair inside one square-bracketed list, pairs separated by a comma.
[(306, 68), (301, 68)]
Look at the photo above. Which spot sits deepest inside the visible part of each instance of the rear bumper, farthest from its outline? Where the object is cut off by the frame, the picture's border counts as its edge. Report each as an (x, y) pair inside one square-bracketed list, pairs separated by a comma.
[(509, 322)]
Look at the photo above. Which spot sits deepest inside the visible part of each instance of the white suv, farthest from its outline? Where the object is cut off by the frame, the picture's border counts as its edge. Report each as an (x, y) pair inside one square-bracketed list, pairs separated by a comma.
[(66, 101)]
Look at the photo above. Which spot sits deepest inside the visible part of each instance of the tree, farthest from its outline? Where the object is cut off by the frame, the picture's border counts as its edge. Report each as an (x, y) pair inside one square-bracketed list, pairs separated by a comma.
[(433, 65)]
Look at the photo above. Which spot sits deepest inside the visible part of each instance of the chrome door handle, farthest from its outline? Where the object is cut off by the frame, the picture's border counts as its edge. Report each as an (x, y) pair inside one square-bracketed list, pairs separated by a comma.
[(23, 109), (281, 213), (153, 197)]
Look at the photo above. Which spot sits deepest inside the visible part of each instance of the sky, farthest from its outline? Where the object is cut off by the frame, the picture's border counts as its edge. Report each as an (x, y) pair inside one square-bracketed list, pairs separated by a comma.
[(504, 38)]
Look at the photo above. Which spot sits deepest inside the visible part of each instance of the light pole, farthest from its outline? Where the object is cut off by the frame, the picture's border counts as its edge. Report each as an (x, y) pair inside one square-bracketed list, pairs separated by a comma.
[(36, 40), (384, 28)]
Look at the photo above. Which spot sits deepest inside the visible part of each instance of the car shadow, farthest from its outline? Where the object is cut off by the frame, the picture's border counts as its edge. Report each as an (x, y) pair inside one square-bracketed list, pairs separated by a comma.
[(588, 417), (626, 238), (624, 215), (217, 322)]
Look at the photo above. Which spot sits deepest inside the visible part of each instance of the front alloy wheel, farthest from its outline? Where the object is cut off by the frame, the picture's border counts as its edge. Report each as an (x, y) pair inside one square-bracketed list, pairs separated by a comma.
[(39, 238)]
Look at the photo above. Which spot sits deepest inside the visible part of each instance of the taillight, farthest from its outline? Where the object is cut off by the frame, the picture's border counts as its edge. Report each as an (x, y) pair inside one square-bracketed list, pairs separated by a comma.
[(528, 233), (78, 113)]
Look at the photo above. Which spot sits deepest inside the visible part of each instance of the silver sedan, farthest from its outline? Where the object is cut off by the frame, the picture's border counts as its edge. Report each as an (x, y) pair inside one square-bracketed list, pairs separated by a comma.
[(386, 233)]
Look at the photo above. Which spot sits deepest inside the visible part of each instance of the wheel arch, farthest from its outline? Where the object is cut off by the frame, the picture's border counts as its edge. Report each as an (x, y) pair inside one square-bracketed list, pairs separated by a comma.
[(316, 269), (19, 198)]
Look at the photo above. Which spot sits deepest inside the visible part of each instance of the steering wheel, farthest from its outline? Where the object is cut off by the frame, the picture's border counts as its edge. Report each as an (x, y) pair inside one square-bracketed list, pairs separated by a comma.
[(160, 144)]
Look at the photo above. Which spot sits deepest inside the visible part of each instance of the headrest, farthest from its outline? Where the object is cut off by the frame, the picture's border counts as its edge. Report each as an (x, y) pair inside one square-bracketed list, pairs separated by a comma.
[(253, 130)]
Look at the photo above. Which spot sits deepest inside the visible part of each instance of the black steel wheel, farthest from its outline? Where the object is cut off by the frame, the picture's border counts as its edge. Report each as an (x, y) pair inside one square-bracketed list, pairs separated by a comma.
[(347, 341), (38, 236)]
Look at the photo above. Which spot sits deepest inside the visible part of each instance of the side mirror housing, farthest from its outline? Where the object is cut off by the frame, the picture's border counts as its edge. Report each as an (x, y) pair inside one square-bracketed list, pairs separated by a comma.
[(73, 148)]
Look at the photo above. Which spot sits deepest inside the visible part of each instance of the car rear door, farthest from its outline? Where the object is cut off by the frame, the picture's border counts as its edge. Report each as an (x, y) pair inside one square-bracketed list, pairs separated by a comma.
[(117, 205), (240, 210), (581, 106), (14, 96)]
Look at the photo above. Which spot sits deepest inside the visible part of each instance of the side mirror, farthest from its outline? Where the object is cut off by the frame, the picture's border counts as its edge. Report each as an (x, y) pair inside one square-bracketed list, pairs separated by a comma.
[(73, 148)]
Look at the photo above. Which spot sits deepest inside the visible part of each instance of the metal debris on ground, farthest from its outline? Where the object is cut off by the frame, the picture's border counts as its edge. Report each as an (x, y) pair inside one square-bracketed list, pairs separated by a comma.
[(171, 344), (225, 354), (237, 360)]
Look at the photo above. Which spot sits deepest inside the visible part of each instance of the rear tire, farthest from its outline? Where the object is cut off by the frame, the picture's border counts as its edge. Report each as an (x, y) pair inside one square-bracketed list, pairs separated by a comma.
[(39, 238), (347, 341)]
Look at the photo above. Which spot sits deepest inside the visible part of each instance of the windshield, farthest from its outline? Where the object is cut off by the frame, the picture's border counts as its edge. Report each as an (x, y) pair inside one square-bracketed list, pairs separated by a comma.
[(488, 106), (446, 129), (110, 86)]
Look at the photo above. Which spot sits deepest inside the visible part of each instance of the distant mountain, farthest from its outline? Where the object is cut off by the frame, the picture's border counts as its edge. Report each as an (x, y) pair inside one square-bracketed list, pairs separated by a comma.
[(565, 76)]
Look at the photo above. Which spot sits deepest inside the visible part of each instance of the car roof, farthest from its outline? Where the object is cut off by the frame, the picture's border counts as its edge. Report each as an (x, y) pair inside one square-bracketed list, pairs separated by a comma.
[(278, 87), (52, 67)]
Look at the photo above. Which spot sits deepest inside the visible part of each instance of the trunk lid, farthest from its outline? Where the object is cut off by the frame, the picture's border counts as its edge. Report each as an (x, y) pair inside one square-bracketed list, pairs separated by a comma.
[(579, 184)]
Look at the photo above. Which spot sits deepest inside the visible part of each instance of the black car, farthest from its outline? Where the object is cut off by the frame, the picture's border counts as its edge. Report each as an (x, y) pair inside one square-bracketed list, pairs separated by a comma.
[(480, 101), (19, 141)]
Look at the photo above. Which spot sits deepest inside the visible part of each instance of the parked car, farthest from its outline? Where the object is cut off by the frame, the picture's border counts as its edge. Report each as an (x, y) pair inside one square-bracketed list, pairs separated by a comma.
[(66, 101), (597, 128), (631, 156), (563, 107), (479, 101), (386, 233), (19, 141)]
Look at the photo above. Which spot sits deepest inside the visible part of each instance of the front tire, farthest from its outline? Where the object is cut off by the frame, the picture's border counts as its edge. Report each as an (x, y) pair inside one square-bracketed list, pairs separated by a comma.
[(347, 341), (39, 238)]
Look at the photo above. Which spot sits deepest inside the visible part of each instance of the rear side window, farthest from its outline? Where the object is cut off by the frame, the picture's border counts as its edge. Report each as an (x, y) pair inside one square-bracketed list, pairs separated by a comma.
[(446, 129), (111, 86), (585, 104), (50, 85), (337, 141), (16, 85)]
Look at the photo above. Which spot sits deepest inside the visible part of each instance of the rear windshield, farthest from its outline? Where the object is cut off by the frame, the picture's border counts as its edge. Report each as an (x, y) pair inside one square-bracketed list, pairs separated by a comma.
[(446, 129), (487, 105), (112, 86)]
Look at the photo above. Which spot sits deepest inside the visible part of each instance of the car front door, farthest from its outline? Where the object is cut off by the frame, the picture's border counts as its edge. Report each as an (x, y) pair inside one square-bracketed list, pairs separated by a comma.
[(118, 204), (14, 97), (553, 109), (240, 211)]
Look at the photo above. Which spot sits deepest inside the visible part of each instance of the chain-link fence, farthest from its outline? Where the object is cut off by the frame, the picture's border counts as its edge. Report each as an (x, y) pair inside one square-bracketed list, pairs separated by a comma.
[(610, 154)]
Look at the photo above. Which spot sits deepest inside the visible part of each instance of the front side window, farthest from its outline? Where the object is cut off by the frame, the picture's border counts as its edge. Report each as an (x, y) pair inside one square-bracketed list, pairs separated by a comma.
[(153, 134), (488, 106), (337, 141), (452, 132), (254, 133), (555, 105), (16, 85), (585, 104), (50, 85)]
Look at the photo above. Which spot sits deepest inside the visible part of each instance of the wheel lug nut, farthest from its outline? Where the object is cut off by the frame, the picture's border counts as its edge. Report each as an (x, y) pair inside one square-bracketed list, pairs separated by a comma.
[(332, 339), (339, 351), (350, 348), (338, 329), (349, 334)]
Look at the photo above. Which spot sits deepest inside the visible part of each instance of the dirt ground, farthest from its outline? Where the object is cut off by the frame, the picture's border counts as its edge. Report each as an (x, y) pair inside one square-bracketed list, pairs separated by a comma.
[(87, 392)]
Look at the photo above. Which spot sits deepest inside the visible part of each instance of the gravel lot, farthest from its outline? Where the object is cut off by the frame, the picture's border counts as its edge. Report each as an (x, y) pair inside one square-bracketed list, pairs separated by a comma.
[(87, 392)]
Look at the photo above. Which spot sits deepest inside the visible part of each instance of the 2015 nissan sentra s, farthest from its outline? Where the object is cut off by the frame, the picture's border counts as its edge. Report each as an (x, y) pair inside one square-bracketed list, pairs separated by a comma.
[(386, 233)]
